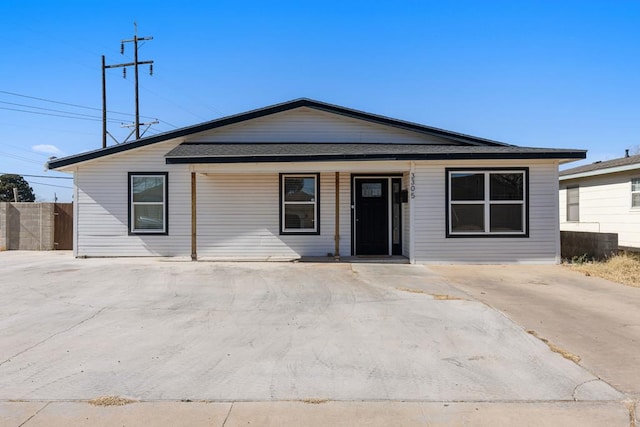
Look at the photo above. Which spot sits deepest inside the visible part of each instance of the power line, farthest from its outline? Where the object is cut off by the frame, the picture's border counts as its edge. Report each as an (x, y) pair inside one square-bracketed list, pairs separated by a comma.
[(25, 159), (50, 185), (58, 115), (67, 103), (37, 176), (47, 109)]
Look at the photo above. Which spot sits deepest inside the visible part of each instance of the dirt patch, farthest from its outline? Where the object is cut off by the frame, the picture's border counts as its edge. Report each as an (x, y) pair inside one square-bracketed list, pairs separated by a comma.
[(412, 290), (314, 401), (111, 401), (564, 353), (622, 268), (445, 297), (440, 297)]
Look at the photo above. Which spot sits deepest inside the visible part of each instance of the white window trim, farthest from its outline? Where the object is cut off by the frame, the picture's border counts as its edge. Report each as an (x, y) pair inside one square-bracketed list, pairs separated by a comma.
[(283, 203), (632, 193), (487, 202), (133, 204)]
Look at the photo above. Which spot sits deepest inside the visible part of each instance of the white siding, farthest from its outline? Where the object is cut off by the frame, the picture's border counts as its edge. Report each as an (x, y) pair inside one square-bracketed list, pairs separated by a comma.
[(605, 207), (406, 251), (238, 217), (310, 125), (102, 205), (432, 245)]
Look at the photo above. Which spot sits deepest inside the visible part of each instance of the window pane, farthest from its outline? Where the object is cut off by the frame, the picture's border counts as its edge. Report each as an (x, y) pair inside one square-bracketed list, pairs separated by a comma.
[(467, 186), (371, 189), (148, 188), (506, 218), (635, 184), (299, 189), (573, 213), (573, 195), (506, 186), (635, 200), (467, 218), (299, 216), (148, 217)]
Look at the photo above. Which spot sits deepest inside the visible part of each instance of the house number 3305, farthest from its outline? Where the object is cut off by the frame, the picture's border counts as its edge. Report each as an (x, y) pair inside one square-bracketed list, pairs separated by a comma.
[(412, 186)]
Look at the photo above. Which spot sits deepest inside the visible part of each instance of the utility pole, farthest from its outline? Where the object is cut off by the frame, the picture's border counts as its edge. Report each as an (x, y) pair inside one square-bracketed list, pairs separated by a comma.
[(124, 66)]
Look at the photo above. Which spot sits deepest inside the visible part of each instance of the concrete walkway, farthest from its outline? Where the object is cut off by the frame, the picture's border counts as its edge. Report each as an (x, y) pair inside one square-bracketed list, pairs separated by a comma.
[(383, 414)]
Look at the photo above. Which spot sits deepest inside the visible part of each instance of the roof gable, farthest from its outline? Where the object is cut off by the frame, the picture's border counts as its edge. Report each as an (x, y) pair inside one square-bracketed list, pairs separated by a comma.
[(403, 132), (184, 133), (310, 125)]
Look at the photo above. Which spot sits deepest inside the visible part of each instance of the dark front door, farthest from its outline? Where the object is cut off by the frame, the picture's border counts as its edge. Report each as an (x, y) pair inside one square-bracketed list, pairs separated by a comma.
[(372, 216)]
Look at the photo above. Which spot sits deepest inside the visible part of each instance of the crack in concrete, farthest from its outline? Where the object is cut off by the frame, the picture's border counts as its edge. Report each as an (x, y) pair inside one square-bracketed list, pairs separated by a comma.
[(53, 335), (228, 413), (575, 389), (36, 413)]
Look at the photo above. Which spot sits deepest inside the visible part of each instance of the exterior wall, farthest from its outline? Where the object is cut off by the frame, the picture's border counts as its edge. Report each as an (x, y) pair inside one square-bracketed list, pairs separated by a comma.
[(310, 125), (26, 226), (239, 217), (580, 243), (406, 242), (605, 207), (432, 245), (101, 216), (238, 211)]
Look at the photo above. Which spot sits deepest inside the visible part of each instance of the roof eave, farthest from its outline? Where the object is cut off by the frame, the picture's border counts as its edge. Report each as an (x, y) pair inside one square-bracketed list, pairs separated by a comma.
[(376, 157), (604, 171)]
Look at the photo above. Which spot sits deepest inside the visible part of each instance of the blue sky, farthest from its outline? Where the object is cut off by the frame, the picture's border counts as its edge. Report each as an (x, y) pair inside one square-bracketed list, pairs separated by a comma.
[(533, 73)]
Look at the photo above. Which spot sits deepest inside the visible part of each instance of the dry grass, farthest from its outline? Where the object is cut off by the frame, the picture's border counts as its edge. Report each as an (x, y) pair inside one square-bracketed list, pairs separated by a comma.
[(111, 401), (622, 268), (564, 353)]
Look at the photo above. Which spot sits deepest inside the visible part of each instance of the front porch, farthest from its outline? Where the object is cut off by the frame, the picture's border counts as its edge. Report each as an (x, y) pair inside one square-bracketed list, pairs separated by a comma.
[(351, 212)]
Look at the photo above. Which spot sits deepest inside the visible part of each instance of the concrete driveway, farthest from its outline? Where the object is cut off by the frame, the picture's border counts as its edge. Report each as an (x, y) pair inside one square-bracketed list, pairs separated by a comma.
[(593, 318), (163, 330)]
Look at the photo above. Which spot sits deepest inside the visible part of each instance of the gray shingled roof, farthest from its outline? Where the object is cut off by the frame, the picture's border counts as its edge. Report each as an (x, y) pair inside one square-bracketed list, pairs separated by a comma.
[(203, 152), (623, 161)]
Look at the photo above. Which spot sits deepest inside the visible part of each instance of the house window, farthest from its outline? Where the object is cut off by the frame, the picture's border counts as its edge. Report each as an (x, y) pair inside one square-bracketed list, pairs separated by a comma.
[(635, 192), (487, 202), (573, 203), (299, 203), (148, 203)]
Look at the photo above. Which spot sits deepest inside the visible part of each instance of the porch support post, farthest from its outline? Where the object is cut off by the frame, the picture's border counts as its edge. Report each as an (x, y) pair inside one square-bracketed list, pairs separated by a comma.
[(336, 252), (194, 254)]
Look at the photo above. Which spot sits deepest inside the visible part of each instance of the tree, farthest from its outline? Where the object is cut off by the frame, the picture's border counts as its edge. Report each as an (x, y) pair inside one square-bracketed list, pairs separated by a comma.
[(8, 182)]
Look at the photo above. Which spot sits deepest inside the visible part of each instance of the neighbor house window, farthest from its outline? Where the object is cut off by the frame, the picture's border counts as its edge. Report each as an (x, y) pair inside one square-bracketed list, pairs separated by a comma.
[(299, 203), (148, 206), (487, 202), (573, 203), (635, 192)]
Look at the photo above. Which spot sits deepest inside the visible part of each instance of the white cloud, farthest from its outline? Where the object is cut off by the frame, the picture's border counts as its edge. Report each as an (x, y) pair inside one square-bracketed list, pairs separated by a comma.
[(47, 149)]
